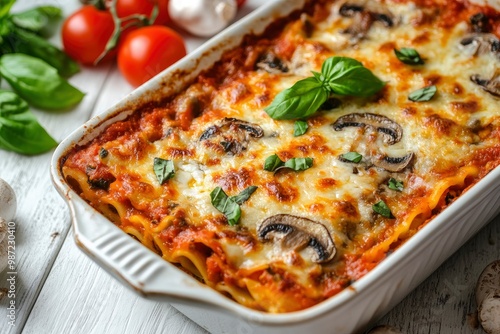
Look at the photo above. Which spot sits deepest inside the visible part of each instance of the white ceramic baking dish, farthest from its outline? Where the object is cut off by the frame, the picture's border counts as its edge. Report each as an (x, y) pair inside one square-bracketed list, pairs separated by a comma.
[(348, 312)]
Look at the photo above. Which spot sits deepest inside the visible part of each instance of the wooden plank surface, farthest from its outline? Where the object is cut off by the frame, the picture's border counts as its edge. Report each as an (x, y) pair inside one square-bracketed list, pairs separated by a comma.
[(42, 219)]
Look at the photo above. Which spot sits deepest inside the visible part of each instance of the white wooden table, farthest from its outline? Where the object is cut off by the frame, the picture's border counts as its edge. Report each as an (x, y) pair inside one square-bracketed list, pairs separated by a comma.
[(60, 290)]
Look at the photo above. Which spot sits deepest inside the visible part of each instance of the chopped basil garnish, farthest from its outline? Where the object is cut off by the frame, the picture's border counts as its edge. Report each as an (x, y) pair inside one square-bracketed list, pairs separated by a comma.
[(395, 184), (272, 163), (103, 153), (164, 169), (409, 56), (382, 209), (298, 164), (423, 94), (352, 157), (299, 128), (339, 75), (230, 206), (244, 195)]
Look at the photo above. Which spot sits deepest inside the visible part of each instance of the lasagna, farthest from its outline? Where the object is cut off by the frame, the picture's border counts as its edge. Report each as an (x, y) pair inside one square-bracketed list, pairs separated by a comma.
[(280, 198)]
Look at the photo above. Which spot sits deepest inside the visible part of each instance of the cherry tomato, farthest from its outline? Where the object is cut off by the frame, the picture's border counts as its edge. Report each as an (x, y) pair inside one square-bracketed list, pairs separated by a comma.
[(240, 3), (126, 8), (85, 34), (147, 51)]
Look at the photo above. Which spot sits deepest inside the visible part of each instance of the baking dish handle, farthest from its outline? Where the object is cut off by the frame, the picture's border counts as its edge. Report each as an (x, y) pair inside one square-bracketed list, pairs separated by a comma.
[(132, 263)]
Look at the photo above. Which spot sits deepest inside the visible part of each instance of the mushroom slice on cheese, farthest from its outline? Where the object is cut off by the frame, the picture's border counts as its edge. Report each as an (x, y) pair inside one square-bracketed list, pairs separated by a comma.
[(298, 233)]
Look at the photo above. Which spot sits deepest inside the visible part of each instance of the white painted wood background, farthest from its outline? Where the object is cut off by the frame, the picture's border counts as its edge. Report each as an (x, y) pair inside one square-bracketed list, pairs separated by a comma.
[(59, 290)]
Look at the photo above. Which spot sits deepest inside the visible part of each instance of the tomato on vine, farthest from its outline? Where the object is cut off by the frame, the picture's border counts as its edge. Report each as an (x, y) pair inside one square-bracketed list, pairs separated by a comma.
[(85, 34), (240, 3), (125, 8), (147, 51)]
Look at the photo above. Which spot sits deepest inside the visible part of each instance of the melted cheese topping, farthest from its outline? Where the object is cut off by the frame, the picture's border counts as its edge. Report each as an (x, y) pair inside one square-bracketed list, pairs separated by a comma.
[(454, 139)]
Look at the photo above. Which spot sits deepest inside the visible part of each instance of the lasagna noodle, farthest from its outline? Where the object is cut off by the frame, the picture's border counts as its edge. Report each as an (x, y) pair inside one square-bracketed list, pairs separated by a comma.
[(453, 139)]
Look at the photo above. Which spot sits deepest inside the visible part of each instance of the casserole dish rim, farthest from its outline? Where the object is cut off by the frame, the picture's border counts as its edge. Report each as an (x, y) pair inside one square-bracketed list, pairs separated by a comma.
[(95, 125)]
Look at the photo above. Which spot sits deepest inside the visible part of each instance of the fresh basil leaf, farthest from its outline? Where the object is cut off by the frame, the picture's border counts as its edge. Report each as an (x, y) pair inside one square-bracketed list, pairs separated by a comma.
[(409, 56), (244, 195), (226, 205), (339, 75), (298, 164), (19, 130), (347, 76), (382, 209), (299, 101), (395, 184), (5, 6), (272, 163), (21, 41), (232, 213), (219, 198), (164, 169), (38, 83), (37, 19), (299, 128), (423, 94), (352, 157)]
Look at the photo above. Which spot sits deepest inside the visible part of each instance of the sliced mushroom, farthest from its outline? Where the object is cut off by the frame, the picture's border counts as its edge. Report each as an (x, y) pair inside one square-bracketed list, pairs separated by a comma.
[(479, 43), (232, 134), (364, 14), (271, 63), (378, 13), (488, 298), (391, 130), (480, 23), (394, 164), (298, 233), (492, 85), (307, 24)]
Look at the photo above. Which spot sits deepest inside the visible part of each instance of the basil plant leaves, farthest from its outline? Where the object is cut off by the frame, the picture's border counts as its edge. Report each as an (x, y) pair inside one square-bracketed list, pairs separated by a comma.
[(19, 130)]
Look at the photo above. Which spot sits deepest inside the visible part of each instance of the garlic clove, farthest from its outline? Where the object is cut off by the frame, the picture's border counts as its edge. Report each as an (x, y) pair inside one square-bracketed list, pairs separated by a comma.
[(202, 17), (8, 201)]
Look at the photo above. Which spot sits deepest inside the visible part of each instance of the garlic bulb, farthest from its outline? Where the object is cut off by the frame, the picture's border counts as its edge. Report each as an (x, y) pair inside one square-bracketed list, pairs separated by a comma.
[(7, 211), (7, 201), (202, 17)]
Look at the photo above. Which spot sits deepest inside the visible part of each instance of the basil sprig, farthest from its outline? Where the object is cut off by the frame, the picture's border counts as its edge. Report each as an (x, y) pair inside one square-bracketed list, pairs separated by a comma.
[(230, 206), (164, 169), (19, 130), (299, 128), (382, 209), (423, 94), (339, 75), (395, 184), (274, 163), (38, 83), (409, 56)]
